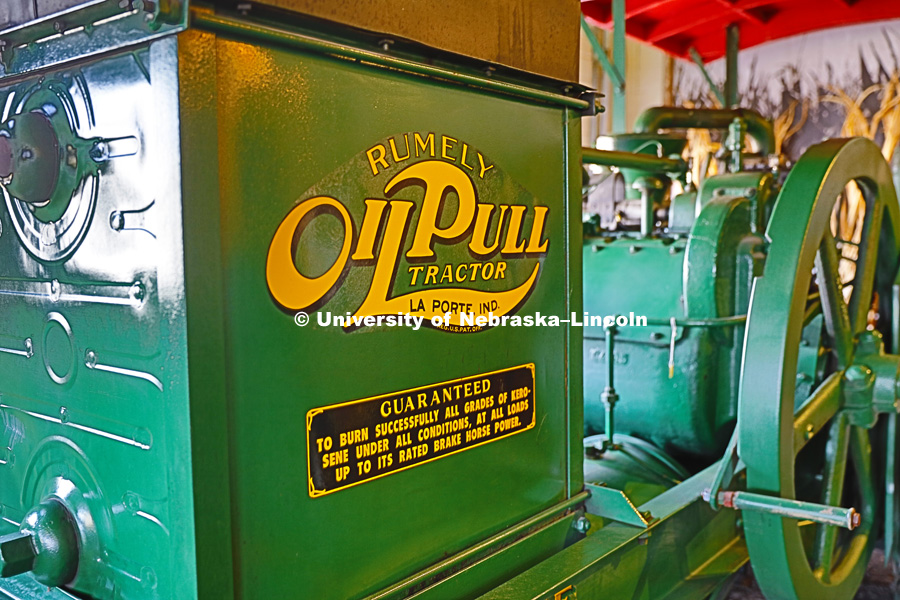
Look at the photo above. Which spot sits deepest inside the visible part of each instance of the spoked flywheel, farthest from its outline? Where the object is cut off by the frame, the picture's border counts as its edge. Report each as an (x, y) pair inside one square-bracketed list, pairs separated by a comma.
[(811, 442)]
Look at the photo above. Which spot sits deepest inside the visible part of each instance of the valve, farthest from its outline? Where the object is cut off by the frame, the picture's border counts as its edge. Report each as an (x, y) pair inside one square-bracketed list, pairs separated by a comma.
[(46, 544)]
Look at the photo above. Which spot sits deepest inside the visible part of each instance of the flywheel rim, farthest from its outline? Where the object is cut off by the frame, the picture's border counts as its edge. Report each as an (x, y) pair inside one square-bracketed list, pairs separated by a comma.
[(799, 226)]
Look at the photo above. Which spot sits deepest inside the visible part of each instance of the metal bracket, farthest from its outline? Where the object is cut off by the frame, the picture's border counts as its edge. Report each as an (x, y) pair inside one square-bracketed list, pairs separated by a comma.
[(86, 29), (614, 505), (592, 97), (728, 466)]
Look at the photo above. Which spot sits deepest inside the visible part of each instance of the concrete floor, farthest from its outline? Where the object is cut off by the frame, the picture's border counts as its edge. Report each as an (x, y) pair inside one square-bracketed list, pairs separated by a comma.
[(878, 584)]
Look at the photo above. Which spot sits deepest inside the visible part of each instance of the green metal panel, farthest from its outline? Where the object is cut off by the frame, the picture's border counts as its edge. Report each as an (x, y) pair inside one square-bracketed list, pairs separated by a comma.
[(95, 412), (152, 364), (313, 142), (685, 553)]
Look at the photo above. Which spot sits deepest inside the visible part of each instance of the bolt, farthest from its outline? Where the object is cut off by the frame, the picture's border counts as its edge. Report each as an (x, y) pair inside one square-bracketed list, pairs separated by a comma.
[(810, 430), (581, 525), (99, 152), (55, 290), (858, 377), (132, 501), (137, 292), (63, 415), (386, 44), (489, 71), (116, 220)]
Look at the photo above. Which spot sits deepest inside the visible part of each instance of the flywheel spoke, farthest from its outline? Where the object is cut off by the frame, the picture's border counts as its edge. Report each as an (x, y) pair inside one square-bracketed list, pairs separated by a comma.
[(834, 309), (818, 409), (863, 280), (832, 493)]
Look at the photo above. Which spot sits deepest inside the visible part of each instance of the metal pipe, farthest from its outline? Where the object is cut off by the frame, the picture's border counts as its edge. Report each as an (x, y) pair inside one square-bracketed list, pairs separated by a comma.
[(847, 518), (609, 397), (619, 124), (713, 322), (632, 160), (272, 35), (732, 44), (735, 145), (667, 117), (648, 212)]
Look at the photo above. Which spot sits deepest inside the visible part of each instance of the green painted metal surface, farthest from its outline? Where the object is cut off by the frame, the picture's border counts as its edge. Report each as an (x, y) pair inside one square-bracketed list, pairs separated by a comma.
[(156, 378), (686, 553), (687, 377), (94, 391), (667, 117), (783, 450)]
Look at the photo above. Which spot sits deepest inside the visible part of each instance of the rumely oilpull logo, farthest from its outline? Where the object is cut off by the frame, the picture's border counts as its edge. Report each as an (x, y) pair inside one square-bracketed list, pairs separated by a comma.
[(421, 223)]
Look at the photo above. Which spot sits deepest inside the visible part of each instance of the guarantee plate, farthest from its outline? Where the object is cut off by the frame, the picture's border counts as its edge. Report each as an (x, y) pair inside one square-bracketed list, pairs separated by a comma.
[(358, 441)]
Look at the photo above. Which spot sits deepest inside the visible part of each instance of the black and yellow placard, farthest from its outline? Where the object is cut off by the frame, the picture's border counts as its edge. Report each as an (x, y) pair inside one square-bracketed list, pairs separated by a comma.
[(355, 442)]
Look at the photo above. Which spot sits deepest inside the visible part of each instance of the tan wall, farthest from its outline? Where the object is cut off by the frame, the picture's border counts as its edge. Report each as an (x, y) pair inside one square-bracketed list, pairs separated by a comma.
[(646, 70)]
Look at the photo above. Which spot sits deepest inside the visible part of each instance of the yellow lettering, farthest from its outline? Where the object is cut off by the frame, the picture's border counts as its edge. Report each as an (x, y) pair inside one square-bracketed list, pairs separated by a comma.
[(437, 177), (463, 157), (288, 286), (478, 245), (365, 247), (447, 275), (378, 150), (484, 168), (537, 231), (447, 146), (428, 142), (513, 245), (463, 276), (415, 274), (398, 158)]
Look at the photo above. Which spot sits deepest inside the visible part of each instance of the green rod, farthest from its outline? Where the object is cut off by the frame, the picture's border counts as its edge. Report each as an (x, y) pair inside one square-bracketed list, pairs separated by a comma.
[(272, 35), (667, 117), (609, 397), (847, 518), (698, 60), (632, 160), (619, 124), (608, 67), (714, 322)]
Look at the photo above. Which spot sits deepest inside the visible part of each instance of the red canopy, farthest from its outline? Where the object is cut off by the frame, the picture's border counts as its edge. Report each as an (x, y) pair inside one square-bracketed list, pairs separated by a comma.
[(677, 25)]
